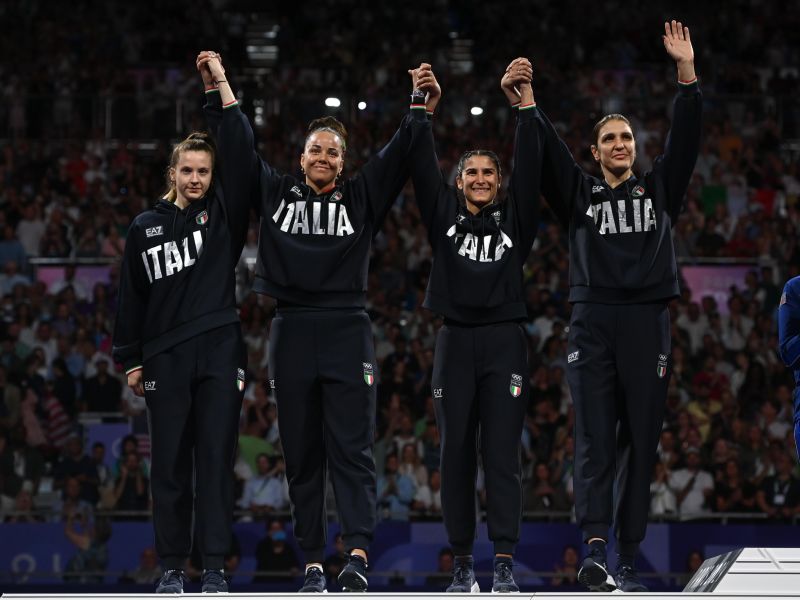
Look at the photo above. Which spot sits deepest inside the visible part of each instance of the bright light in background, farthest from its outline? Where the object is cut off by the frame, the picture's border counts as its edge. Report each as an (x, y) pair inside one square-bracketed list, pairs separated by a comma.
[(333, 102), (476, 110), (362, 105)]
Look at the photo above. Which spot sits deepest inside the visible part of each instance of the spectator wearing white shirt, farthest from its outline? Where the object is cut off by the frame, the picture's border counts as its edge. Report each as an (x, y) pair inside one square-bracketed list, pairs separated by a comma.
[(692, 486), (264, 493)]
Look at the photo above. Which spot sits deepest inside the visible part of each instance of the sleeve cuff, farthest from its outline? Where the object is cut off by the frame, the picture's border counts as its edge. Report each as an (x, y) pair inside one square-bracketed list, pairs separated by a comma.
[(230, 104), (213, 98), (418, 113), (133, 367), (688, 88)]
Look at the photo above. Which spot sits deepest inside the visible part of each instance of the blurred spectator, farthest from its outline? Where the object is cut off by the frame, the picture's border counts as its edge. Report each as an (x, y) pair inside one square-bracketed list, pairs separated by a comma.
[(567, 569), (544, 494), (731, 492), (265, 492), (102, 392), (444, 571), (132, 487), (779, 496), (662, 498), (395, 491), (428, 499), (74, 464), (275, 555), (335, 562), (147, 571), (692, 485), (88, 565)]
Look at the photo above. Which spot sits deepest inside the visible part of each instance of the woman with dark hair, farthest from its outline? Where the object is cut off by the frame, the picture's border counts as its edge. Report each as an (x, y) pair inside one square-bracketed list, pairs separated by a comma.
[(480, 382), (622, 276), (178, 336), (314, 244)]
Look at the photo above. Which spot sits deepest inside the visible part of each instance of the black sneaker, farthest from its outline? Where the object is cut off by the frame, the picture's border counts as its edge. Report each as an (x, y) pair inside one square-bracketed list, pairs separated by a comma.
[(171, 582), (504, 578), (594, 573), (314, 583), (353, 577), (213, 582), (463, 579), (627, 580)]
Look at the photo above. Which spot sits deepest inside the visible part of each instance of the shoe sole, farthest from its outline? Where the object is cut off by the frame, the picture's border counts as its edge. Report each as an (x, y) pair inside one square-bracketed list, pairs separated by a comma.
[(352, 582), (597, 579), (475, 589)]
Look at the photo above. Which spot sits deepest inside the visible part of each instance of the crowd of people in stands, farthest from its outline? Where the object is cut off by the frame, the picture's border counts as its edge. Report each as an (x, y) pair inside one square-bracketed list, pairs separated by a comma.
[(67, 192)]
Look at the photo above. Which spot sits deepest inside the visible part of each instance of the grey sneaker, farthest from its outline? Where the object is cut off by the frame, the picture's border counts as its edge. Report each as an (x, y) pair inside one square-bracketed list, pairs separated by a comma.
[(213, 582), (171, 582), (504, 578), (314, 582), (463, 579)]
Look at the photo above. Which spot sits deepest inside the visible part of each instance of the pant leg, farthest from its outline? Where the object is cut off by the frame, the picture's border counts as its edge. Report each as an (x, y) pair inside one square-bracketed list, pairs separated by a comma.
[(454, 391), (292, 366), (591, 374), (347, 368), (167, 378), (643, 365), (218, 392), (503, 390)]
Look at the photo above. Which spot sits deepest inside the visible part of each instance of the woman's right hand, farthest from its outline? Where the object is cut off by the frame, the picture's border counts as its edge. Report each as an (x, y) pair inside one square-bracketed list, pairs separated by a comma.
[(422, 78), (135, 382), (202, 65), (518, 72)]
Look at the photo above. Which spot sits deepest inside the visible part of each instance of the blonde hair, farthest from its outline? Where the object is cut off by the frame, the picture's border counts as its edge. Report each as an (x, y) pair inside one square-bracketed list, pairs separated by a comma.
[(196, 142)]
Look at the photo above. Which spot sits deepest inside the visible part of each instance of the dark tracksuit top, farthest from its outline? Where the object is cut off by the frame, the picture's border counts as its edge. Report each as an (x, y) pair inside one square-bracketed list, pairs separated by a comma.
[(622, 274), (177, 319), (480, 371), (313, 258), (789, 342)]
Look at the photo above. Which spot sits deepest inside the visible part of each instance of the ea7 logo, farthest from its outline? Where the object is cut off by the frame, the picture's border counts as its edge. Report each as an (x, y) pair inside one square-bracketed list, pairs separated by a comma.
[(437, 392), (153, 231), (296, 190), (597, 189), (150, 386), (573, 356)]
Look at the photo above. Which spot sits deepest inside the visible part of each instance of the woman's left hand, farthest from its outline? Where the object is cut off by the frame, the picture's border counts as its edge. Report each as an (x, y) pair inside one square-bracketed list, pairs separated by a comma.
[(677, 42)]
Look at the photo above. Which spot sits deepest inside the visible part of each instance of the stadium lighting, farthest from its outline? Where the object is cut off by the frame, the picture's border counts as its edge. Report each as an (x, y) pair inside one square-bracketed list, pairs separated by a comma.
[(476, 111), (362, 105), (333, 102)]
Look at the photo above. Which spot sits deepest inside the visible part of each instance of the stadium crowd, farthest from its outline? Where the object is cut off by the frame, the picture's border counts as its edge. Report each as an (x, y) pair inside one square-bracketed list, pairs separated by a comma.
[(68, 192)]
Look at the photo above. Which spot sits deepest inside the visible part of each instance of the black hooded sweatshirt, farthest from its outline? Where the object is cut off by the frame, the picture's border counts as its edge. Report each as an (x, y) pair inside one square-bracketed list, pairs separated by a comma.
[(177, 278), (478, 259), (620, 239), (313, 249)]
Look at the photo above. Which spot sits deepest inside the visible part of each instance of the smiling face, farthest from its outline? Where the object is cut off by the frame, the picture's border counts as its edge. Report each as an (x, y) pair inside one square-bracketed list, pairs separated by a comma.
[(615, 148), (191, 176), (479, 180), (322, 159)]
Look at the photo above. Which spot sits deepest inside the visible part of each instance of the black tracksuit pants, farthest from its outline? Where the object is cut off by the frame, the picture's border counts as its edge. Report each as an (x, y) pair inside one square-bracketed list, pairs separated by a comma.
[(322, 363), (194, 395), (480, 390), (618, 371)]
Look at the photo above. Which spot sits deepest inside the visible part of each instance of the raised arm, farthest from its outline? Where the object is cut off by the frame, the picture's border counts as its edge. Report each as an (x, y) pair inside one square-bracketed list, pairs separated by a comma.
[(238, 162), (528, 148), (425, 172), (789, 324), (131, 310), (213, 106), (384, 175), (683, 140)]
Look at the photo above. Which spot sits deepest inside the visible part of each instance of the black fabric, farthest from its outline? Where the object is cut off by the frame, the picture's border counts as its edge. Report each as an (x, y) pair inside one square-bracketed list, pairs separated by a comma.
[(620, 244), (194, 398), (475, 374), (618, 369), (320, 362)]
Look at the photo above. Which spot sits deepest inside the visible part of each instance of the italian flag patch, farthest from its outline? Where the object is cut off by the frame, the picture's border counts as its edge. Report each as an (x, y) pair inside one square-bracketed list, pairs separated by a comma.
[(369, 378)]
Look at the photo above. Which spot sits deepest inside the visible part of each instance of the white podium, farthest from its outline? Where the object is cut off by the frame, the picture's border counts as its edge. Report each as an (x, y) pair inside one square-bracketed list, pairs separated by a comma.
[(749, 571)]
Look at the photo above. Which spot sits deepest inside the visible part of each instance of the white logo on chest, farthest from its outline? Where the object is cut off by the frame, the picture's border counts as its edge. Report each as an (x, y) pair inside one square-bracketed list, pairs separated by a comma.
[(607, 221), (313, 217)]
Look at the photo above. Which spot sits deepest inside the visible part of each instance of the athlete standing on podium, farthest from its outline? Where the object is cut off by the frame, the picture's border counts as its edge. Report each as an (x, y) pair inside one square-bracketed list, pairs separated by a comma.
[(622, 275)]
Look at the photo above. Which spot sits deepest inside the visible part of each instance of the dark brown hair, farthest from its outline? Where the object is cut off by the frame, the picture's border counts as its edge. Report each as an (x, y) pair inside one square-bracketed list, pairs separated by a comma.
[(612, 117), (470, 153), (331, 124)]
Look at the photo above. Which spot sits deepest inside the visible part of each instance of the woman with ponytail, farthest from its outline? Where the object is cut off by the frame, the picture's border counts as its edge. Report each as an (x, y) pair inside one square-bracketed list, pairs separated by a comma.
[(179, 339)]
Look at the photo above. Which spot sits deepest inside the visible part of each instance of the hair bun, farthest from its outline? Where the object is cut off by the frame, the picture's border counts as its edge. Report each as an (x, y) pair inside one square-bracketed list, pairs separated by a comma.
[(331, 123)]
